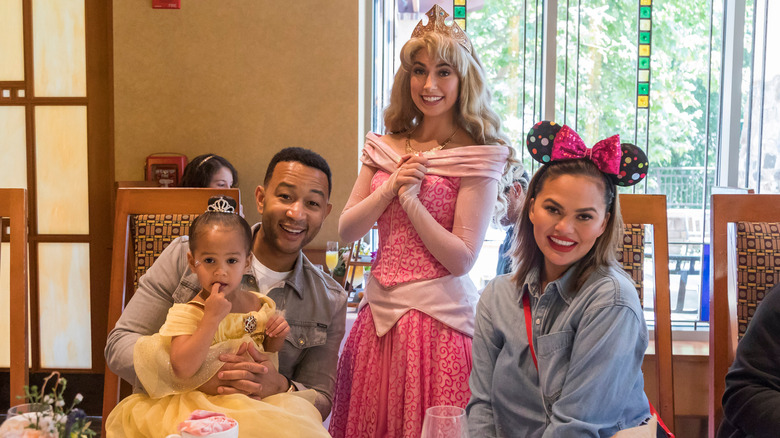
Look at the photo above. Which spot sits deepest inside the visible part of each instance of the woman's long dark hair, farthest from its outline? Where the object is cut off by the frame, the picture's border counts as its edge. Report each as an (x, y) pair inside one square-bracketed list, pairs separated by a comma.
[(199, 171), (526, 254)]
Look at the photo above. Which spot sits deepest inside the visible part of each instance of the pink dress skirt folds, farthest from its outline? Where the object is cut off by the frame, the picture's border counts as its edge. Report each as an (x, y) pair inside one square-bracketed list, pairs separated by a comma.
[(410, 347)]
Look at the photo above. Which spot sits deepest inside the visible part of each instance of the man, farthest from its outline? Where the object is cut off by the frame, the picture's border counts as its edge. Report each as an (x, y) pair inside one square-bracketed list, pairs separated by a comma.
[(515, 194), (293, 202), (751, 402)]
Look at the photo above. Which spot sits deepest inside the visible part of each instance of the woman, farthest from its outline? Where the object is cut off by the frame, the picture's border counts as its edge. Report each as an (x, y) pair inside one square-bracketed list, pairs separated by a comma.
[(431, 191), (209, 170), (581, 375)]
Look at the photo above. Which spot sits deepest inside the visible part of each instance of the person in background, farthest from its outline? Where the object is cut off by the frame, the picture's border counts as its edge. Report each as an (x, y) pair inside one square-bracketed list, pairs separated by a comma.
[(559, 344), (431, 185), (293, 203), (209, 170), (515, 194), (751, 402)]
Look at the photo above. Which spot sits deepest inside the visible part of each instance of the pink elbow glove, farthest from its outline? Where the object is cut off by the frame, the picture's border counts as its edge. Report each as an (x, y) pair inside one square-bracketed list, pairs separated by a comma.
[(363, 209), (456, 250)]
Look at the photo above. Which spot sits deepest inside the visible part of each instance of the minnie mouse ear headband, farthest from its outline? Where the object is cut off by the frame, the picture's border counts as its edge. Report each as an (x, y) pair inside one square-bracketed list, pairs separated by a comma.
[(222, 204), (624, 163)]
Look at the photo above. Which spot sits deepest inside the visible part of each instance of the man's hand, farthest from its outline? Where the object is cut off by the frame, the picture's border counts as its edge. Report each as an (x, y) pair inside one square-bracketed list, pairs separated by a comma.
[(254, 376)]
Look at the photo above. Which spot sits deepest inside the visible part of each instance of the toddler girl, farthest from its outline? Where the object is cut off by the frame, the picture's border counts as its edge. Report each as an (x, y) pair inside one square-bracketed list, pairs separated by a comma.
[(175, 362)]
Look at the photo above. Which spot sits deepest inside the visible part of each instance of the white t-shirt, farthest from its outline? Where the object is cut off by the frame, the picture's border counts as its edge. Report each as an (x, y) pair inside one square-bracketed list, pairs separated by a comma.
[(267, 279)]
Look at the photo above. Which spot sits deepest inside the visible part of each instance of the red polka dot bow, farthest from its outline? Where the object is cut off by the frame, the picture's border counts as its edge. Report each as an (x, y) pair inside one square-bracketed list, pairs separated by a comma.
[(605, 154)]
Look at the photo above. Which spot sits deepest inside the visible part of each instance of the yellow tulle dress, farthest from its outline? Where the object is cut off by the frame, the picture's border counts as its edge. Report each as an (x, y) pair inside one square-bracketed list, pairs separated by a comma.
[(171, 400)]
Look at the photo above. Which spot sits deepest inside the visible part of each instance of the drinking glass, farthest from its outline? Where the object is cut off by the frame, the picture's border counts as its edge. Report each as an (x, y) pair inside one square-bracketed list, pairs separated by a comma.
[(332, 255), (445, 422), (31, 409)]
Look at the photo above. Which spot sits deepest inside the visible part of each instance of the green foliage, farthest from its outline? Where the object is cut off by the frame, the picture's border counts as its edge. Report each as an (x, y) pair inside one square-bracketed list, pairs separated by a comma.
[(596, 75)]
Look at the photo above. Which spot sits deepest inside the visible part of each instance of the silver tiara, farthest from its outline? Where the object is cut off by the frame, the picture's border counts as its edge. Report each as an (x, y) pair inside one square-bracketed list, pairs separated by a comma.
[(221, 205)]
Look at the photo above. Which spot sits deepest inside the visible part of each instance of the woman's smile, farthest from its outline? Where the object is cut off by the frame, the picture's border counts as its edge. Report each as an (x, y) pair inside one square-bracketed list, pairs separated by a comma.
[(561, 243)]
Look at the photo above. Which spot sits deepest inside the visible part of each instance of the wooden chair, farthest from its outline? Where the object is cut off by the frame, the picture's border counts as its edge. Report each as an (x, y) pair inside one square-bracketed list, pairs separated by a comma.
[(742, 270), (125, 184), (637, 211), (353, 261), (13, 205), (163, 214)]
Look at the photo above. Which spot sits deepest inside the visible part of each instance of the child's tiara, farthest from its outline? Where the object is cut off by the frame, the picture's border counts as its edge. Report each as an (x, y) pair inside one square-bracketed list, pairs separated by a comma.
[(222, 204)]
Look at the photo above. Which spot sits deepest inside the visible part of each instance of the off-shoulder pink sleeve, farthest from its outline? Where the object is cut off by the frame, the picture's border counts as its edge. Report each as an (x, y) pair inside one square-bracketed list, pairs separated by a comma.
[(363, 207), (479, 167)]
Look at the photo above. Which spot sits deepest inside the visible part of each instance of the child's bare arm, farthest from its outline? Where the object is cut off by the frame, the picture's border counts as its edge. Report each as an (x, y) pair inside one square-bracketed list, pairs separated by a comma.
[(188, 352), (276, 330)]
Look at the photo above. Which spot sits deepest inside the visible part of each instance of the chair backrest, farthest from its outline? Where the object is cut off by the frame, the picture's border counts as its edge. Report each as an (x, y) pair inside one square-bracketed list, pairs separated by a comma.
[(355, 260), (745, 264), (348, 263), (13, 205), (124, 184), (146, 220), (639, 210)]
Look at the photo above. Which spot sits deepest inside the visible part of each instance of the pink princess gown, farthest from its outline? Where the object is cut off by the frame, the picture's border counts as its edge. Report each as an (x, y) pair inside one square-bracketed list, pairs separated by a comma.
[(410, 347)]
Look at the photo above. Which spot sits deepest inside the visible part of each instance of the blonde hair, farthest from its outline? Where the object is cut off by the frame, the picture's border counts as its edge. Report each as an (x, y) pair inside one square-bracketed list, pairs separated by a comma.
[(526, 254), (473, 112)]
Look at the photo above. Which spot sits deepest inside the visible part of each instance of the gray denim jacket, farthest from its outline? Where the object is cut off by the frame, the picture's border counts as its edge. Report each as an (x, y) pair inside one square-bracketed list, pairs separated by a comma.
[(589, 343), (315, 307)]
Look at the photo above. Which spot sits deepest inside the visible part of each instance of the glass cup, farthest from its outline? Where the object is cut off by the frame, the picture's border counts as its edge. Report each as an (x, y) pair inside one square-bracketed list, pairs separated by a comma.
[(332, 255), (28, 413), (445, 422)]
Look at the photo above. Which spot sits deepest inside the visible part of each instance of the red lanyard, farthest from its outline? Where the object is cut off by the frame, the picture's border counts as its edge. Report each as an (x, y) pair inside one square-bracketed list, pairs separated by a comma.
[(528, 328)]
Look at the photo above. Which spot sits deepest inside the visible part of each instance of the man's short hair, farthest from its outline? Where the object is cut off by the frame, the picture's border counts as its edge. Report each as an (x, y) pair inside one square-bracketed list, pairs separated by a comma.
[(304, 156)]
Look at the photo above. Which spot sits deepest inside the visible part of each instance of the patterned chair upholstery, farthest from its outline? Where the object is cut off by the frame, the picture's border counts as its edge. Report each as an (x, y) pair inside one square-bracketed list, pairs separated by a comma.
[(745, 238), (151, 234), (631, 255), (758, 267)]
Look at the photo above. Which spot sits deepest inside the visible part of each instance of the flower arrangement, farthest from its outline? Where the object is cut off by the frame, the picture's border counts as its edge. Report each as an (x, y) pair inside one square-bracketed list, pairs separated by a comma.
[(52, 419)]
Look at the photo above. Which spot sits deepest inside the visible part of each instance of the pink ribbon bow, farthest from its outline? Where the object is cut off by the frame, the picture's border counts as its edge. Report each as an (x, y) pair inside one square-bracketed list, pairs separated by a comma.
[(605, 154)]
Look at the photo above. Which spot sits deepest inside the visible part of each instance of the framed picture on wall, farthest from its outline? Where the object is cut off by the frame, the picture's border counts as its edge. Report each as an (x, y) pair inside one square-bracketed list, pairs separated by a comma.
[(165, 169)]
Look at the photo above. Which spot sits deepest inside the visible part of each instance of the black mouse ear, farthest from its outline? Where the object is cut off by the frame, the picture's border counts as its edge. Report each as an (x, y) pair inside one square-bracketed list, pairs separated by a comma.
[(540, 140), (633, 165)]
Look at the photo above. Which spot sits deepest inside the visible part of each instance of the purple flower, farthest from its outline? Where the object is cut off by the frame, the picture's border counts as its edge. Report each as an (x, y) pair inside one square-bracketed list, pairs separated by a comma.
[(75, 416)]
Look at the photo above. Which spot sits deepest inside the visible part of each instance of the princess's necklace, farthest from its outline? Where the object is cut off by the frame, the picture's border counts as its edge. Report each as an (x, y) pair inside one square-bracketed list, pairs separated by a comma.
[(411, 150)]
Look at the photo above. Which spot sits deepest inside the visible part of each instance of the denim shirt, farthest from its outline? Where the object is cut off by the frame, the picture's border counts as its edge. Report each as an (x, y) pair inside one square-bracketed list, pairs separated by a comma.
[(589, 345), (315, 307)]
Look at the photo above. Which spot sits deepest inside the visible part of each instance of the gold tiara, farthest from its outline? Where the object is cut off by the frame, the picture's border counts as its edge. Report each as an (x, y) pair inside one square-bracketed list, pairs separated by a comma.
[(436, 16)]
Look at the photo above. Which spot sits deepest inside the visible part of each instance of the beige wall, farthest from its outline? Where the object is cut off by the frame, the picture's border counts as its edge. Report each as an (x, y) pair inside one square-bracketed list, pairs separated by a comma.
[(241, 79)]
